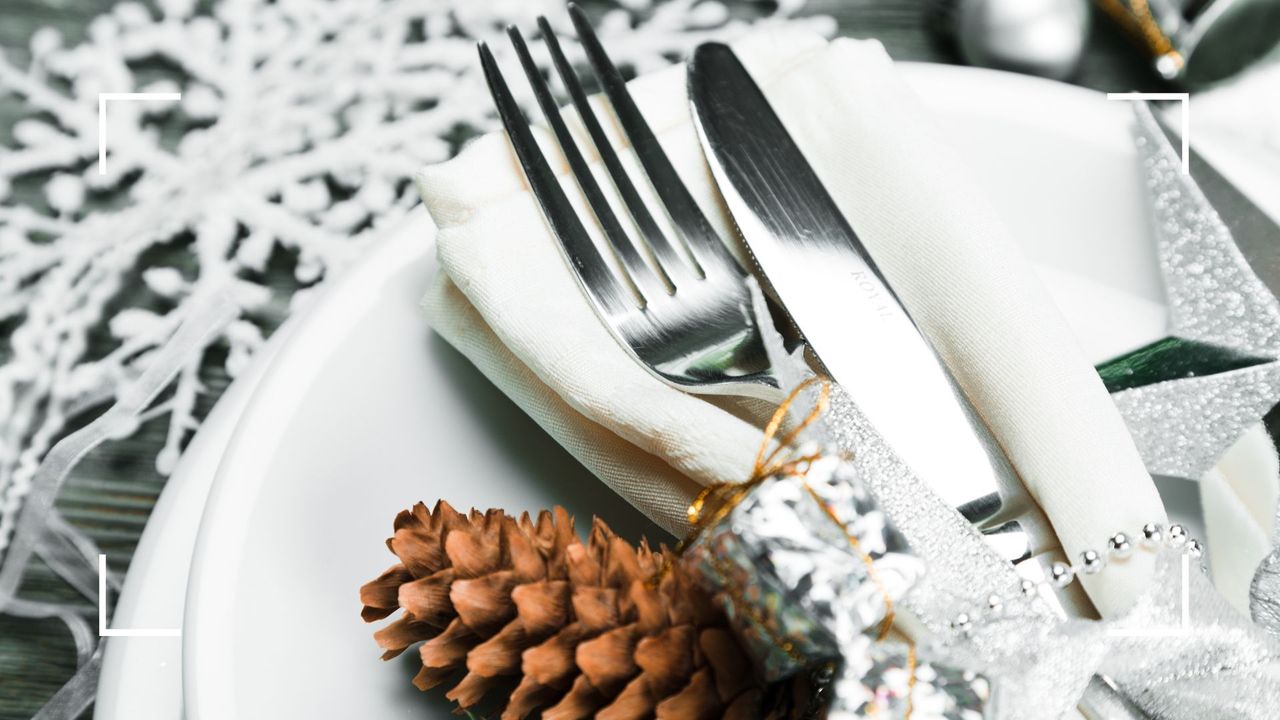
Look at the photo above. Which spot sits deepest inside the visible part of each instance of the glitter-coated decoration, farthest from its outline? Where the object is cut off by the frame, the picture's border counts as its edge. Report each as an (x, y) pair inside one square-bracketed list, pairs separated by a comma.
[(1033, 673), (1182, 427), (1216, 300), (1217, 665), (1264, 594), (1214, 294)]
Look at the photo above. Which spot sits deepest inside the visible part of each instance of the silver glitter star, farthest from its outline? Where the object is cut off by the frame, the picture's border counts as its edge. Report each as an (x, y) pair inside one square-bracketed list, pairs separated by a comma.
[(1215, 664), (1188, 398), (1264, 594)]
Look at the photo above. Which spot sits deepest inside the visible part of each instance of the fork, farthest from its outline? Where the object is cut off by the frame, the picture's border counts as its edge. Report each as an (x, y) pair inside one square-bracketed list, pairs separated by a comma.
[(688, 319), (689, 322), (684, 312)]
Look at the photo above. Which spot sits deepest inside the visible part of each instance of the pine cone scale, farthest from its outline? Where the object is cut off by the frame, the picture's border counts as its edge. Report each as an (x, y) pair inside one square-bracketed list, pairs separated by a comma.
[(380, 597), (449, 649), (427, 599), (594, 629), (484, 603), (543, 606), (608, 660)]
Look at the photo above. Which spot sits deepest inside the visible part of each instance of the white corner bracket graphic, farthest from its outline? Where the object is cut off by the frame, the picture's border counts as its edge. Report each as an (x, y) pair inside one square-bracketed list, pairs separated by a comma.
[(1185, 99), (103, 98), (103, 631)]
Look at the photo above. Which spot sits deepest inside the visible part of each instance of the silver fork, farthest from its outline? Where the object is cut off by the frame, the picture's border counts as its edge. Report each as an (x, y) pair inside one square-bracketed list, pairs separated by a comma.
[(688, 321), (691, 324), (686, 317)]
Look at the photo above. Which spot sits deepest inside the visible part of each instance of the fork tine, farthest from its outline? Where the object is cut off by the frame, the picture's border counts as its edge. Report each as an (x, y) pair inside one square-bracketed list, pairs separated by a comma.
[(593, 273), (668, 258), (646, 282), (680, 205)]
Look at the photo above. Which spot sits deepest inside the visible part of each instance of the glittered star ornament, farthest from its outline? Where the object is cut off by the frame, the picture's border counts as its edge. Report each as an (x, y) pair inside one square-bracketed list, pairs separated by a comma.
[(1189, 397), (1199, 660)]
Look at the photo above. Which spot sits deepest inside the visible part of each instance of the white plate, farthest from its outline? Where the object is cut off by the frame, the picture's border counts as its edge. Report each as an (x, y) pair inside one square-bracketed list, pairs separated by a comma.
[(370, 412), (364, 412), (142, 677)]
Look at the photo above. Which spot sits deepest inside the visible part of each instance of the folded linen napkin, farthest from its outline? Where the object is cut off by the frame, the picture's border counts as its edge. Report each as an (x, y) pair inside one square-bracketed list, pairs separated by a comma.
[(507, 300)]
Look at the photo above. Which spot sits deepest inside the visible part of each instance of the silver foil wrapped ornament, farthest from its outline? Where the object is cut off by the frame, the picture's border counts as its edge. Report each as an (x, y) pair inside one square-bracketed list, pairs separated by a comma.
[(802, 564), (1024, 661), (890, 680), (809, 569)]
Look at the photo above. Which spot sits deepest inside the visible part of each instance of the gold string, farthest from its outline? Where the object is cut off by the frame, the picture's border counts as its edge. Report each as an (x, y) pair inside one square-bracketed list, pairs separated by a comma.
[(726, 496), (911, 681), (763, 465)]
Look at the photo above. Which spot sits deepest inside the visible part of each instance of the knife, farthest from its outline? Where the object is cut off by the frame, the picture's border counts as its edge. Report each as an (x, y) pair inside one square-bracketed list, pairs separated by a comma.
[(813, 262)]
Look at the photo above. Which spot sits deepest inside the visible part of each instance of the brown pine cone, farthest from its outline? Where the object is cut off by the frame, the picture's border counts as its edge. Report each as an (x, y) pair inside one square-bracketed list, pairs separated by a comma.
[(578, 630)]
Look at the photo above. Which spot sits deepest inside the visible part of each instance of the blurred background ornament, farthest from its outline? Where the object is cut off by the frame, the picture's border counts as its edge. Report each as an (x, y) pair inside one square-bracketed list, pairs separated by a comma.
[(1039, 37), (1199, 42)]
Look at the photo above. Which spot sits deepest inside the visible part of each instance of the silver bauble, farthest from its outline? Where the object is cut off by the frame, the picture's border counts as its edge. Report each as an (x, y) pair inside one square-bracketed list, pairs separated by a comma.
[(1040, 37)]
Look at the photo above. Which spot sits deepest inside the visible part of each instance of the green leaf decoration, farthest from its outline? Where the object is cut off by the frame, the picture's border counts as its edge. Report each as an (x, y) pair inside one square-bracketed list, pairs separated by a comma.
[(1172, 358)]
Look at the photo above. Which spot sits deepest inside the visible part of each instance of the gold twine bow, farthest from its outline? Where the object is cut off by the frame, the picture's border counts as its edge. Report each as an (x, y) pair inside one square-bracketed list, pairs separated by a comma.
[(715, 502)]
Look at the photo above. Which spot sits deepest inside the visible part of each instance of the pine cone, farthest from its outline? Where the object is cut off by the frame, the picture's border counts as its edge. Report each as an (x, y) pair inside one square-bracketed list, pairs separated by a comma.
[(579, 630)]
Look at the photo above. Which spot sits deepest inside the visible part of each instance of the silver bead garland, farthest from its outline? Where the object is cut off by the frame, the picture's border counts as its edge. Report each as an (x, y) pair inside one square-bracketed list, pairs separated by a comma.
[(1119, 548), (1152, 535), (1092, 562)]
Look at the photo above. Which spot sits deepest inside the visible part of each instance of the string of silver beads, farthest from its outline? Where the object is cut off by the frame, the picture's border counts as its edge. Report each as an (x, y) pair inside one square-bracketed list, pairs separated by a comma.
[(1120, 547)]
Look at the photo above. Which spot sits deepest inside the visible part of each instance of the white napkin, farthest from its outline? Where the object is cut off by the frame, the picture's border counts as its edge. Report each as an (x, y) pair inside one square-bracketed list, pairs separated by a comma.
[(507, 300)]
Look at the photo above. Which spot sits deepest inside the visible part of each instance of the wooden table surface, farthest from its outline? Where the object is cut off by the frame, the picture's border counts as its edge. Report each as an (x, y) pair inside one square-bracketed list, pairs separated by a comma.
[(112, 491)]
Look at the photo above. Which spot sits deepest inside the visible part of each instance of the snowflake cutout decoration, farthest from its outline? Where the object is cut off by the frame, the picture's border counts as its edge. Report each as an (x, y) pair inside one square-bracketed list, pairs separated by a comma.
[(298, 129)]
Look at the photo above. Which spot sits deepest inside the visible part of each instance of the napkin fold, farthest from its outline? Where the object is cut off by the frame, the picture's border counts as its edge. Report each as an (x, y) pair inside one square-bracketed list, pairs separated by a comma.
[(507, 300)]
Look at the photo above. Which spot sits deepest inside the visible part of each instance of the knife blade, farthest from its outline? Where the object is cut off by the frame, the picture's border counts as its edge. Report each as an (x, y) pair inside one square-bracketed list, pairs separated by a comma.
[(813, 262), (807, 255)]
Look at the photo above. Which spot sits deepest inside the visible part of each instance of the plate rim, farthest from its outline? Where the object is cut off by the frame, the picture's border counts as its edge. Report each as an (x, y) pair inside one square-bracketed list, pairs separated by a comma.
[(282, 385)]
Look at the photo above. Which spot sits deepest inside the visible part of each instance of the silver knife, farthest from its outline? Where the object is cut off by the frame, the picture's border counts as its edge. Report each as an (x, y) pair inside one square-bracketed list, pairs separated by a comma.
[(812, 261)]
